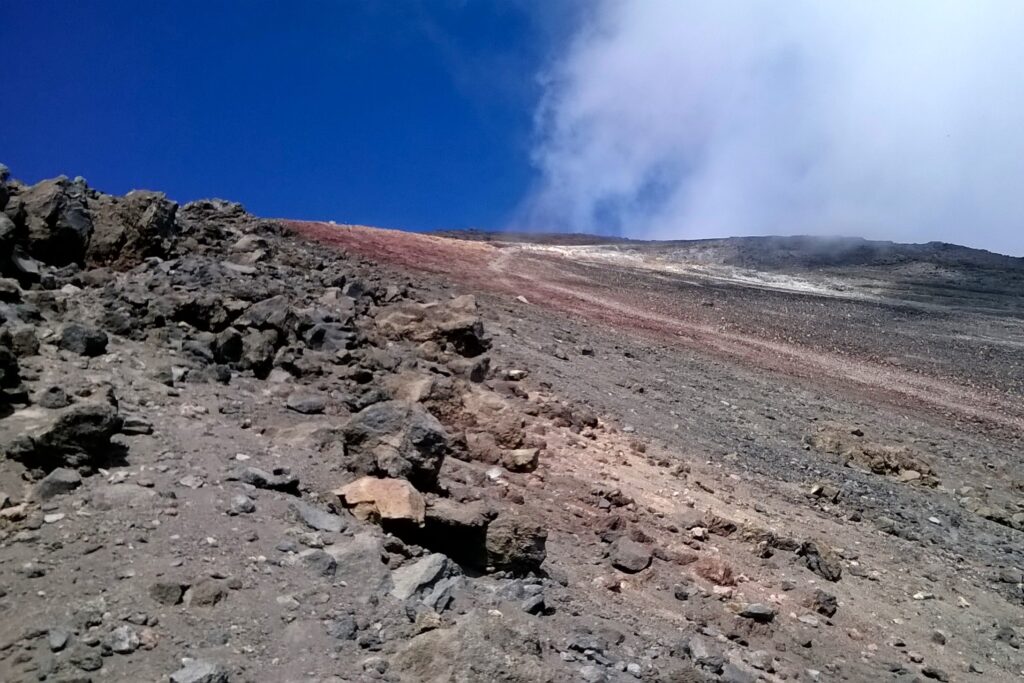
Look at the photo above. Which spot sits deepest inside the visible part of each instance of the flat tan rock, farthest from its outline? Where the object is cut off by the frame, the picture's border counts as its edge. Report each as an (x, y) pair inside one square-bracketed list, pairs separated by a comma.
[(373, 497)]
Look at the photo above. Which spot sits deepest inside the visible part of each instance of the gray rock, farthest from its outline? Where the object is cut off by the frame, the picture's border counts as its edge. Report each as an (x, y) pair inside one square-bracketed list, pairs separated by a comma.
[(307, 404), (442, 594), (78, 436), (86, 658), (133, 424), (934, 673), (479, 647), (24, 341), (821, 561), (420, 575), (534, 604), (59, 481), (402, 439), (83, 340), (128, 229), (200, 671), (123, 640), (321, 563), (53, 398), (824, 603), (205, 593), (10, 292), (315, 518), (629, 556), (58, 638), (241, 505), (515, 543), (278, 481), (758, 612), (343, 628)]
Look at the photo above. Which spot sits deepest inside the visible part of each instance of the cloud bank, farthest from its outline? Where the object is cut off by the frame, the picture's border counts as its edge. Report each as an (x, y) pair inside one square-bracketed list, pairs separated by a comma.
[(688, 118)]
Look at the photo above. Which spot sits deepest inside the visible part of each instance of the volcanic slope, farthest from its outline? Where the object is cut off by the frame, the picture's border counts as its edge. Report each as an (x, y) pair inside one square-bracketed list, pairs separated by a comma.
[(239, 449)]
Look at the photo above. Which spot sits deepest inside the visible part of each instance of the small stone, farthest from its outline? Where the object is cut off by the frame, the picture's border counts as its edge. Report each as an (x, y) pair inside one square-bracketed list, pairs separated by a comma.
[(317, 519), (135, 425), (85, 341), (934, 673), (57, 638), (199, 671), (59, 481), (307, 404), (343, 628), (758, 612), (124, 640), (319, 561), (416, 577), (593, 674), (534, 604), (167, 592), (629, 556), (824, 603), (53, 398), (241, 505), (938, 637), (205, 593), (86, 659), (191, 481)]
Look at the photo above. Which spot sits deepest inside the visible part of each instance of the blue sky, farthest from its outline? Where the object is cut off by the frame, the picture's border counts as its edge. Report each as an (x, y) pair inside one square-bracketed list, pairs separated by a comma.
[(651, 118), (405, 114)]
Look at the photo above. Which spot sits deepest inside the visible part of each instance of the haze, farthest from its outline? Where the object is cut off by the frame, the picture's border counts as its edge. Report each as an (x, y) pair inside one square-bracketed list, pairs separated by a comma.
[(667, 119)]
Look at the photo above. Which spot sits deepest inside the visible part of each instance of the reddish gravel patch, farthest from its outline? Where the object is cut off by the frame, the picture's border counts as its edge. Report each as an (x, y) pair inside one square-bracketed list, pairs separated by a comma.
[(632, 301)]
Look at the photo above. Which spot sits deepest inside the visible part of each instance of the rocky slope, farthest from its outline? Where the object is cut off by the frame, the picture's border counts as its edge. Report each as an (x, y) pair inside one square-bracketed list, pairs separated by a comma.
[(236, 454)]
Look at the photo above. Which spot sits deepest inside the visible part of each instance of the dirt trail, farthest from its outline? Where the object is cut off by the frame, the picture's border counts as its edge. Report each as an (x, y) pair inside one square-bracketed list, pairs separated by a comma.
[(549, 280)]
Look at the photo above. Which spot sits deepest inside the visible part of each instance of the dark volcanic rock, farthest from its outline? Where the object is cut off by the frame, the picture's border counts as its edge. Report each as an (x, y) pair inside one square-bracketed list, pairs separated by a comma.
[(128, 229), (821, 561), (57, 224), (78, 436), (630, 556), (403, 439), (515, 543), (83, 340)]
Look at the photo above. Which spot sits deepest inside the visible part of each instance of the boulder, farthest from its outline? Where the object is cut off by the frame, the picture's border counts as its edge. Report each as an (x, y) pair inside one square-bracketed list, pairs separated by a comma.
[(515, 543), (455, 323), (83, 340), (274, 313), (200, 671), (403, 440), (482, 646), (629, 556), (129, 229), (258, 350), (57, 224), (521, 459), (315, 518), (59, 481), (307, 404), (821, 561), (383, 499), (77, 436), (418, 577), (11, 388)]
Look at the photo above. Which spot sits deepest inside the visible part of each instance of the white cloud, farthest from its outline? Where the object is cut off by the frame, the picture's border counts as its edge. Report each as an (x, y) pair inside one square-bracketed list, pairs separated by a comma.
[(893, 120)]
